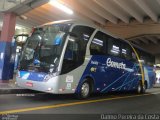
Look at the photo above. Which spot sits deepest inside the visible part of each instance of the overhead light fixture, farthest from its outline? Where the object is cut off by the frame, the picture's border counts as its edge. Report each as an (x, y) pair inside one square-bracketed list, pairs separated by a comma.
[(61, 6), (23, 17), (18, 27)]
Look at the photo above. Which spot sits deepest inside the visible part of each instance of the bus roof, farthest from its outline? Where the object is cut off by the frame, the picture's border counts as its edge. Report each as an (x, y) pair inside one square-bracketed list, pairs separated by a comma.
[(80, 22), (88, 23)]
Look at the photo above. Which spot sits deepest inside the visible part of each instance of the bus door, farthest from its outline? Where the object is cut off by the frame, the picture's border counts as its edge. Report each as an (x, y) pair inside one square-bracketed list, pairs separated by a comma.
[(74, 57)]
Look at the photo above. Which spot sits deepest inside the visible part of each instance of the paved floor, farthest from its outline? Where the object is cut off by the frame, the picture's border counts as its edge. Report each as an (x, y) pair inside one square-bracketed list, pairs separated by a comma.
[(41, 103), (10, 85)]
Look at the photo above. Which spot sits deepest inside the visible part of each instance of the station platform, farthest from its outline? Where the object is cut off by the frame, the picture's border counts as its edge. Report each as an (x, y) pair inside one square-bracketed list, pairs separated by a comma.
[(157, 85), (12, 88)]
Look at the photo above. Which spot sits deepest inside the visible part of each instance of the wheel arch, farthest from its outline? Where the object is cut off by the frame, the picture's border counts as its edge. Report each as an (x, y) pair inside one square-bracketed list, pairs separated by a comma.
[(91, 82), (88, 78), (146, 83)]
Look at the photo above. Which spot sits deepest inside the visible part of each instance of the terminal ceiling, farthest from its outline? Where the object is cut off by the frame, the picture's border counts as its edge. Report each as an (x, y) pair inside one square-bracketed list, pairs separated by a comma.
[(135, 20)]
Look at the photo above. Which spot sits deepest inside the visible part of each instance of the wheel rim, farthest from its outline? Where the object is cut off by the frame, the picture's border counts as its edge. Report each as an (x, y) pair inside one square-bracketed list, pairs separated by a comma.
[(144, 88), (85, 89), (139, 88)]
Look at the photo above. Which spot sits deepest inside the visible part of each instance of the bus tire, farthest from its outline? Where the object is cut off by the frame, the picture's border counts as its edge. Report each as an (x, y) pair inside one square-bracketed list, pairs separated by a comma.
[(85, 90), (144, 87), (141, 89)]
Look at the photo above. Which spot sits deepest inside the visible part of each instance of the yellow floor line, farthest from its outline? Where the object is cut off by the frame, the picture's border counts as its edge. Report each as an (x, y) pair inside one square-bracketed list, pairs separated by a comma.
[(65, 104)]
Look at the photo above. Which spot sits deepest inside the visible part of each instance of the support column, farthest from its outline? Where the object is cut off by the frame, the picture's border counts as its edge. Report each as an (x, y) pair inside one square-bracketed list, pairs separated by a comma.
[(8, 30)]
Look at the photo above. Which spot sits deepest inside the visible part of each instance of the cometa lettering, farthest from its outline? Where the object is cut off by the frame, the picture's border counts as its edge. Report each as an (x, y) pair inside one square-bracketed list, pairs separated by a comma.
[(114, 64)]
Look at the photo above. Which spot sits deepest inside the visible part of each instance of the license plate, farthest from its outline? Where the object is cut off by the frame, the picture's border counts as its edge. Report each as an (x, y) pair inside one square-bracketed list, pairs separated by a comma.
[(29, 84)]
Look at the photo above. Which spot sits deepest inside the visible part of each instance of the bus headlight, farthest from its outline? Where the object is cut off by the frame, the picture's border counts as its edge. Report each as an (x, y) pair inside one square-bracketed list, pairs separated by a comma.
[(49, 89)]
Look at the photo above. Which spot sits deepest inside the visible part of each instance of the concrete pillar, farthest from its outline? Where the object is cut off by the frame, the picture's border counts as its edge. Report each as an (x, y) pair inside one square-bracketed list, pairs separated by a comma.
[(6, 46)]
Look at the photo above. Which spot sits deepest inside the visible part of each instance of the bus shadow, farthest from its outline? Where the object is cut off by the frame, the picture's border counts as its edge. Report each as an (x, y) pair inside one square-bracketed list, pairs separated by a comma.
[(113, 94), (46, 97), (157, 85)]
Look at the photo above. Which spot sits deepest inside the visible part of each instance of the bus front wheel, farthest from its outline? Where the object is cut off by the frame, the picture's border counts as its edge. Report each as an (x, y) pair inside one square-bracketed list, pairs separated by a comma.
[(85, 90)]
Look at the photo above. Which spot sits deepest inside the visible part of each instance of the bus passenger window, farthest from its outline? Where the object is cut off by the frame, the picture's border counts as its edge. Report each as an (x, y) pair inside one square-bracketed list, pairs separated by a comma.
[(84, 33), (70, 57), (98, 44), (113, 47), (134, 58), (125, 51), (76, 48)]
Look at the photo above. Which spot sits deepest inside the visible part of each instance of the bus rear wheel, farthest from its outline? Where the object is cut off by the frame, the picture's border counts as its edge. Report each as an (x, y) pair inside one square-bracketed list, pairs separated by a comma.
[(85, 90), (141, 89)]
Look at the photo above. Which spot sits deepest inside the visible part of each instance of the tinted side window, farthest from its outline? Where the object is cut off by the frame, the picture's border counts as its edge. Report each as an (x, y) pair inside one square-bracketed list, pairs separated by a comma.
[(76, 48), (84, 33), (71, 59), (133, 56), (113, 47), (126, 50), (98, 44)]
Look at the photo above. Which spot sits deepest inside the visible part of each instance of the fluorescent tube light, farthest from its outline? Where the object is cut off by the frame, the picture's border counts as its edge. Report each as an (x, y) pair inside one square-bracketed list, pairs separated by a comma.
[(60, 6)]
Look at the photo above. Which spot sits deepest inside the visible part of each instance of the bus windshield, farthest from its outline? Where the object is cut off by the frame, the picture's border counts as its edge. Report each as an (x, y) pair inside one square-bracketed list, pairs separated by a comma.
[(43, 49)]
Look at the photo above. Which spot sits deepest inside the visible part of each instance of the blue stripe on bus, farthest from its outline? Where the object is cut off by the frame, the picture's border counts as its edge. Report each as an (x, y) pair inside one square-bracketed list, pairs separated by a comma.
[(113, 82), (126, 84), (134, 67), (111, 77), (34, 76)]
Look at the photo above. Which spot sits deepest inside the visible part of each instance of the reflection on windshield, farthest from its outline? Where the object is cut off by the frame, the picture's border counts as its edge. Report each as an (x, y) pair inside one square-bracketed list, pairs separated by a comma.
[(44, 47)]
